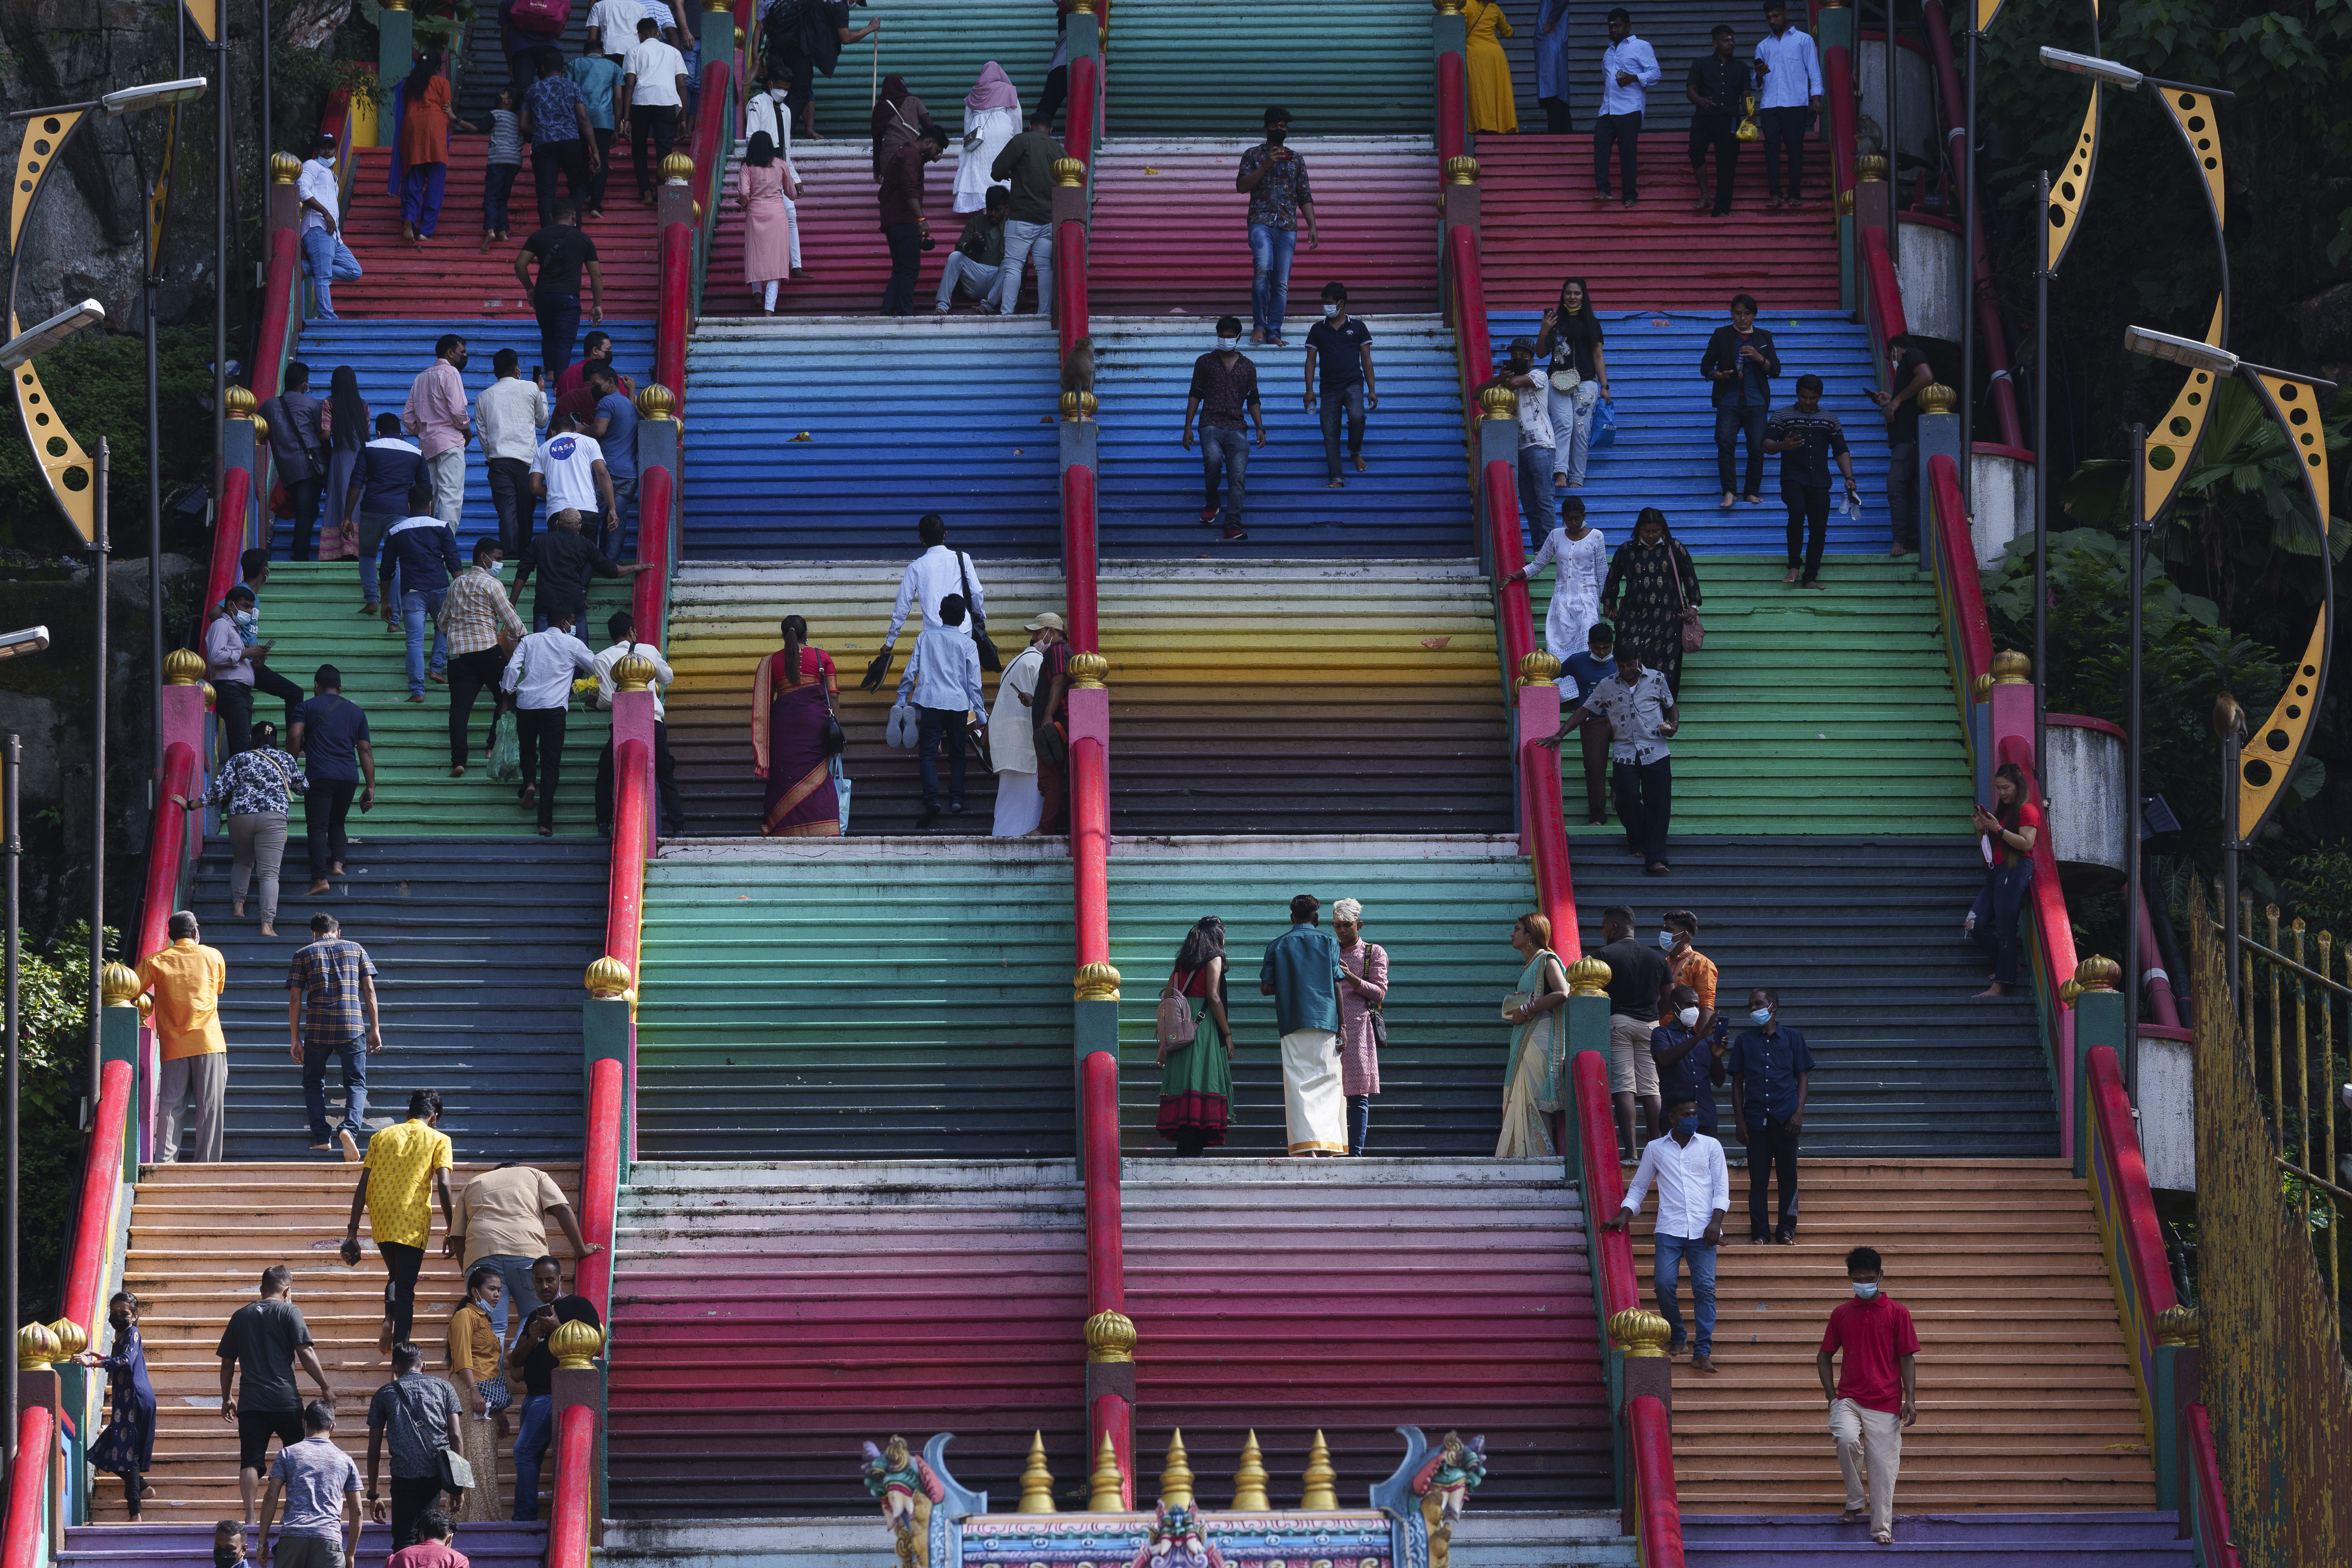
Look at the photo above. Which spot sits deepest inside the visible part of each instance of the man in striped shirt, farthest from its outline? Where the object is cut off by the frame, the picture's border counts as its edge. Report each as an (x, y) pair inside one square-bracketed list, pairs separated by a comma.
[(483, 629)]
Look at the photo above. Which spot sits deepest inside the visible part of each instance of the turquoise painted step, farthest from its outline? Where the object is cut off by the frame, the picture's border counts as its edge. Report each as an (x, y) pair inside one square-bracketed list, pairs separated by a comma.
[(309, 609), (881, 999), (1441, 906), (1825, 711), (1209, 67), (939, 45)]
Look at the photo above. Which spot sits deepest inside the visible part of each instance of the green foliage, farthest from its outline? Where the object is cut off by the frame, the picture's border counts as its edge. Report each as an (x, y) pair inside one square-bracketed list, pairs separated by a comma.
[(2319, 889), (98, 384), (53, 1010)]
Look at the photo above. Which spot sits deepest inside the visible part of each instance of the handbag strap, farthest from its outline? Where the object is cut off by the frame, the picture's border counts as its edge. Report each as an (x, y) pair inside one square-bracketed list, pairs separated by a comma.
[(437, 1434), (963, 577)]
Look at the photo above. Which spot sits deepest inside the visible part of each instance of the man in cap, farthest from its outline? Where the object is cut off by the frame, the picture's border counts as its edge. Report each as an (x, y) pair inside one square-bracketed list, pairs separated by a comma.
[(1020, 805)]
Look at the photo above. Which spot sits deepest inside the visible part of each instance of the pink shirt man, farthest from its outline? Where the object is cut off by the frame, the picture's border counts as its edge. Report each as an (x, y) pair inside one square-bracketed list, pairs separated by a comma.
[(435, 412)]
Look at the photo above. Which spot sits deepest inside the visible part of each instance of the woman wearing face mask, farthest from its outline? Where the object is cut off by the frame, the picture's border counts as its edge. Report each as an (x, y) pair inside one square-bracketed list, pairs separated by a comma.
[(1531, 1096), (2006, 831), (127, 1447), (1571, 339), (474, 1368)]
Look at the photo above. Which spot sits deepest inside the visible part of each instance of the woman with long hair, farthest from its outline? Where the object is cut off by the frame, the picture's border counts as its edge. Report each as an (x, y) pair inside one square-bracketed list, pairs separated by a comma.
[(127, 1447), (1659, 589), (1196, 1081), (992, 117), (424, 121), (2007, 830), (1531, 1092), (1580, 378), (473, 1367), (347, 423), (765, 190), (898, 118), (256, 787), (794, 700)]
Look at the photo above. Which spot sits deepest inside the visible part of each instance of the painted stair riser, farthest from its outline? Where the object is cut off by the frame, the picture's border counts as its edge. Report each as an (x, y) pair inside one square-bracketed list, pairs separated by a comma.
[(1378, 82)]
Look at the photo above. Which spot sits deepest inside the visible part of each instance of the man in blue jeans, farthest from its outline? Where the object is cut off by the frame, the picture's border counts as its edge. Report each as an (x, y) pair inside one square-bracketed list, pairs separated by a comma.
[(324, 255), (533, 1358), (1224, 395), (1275, 179), (1694, 1194), (330, 1014), (422, 550), (942, 683)]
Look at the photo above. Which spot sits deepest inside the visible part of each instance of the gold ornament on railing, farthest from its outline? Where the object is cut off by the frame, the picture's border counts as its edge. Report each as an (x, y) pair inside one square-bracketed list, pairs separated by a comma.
[(1845, 204), (1105, 1486), (1094, 982), (1869, 166), (1447, 7), (1981, 689), (1539, 669), (633, 672), (1461, 169), (184, 667), (1499, 402), (395, 4), (2176, 1325), (716, 7), (284, 168), (608, 978), (1250, 1477), (738, 38), (575, 1345), (1176, 1475), (71, 1341), (120, 985), (2010, 668), (1036, 1480), (1321, 1482), (241, 403), (1077, 405), (1089, 671), (1111, 1334), (2099, 973), (1638, 1332), (1588, 977), (37, 1347), (1070, 173), (655, 401), (260, 429), (1938, 398), (678, 169)]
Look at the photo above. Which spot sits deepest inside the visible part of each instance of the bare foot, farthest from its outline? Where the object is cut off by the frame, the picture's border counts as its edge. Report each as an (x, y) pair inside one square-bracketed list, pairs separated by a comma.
[(320, 885), (383, 1339), (1812, 584), (268, 929), (1754, 501), (1728, 502), (1790, 575), (1361, 466), (1335, 485), (351, 1146), (236, 909), (1991, 993)]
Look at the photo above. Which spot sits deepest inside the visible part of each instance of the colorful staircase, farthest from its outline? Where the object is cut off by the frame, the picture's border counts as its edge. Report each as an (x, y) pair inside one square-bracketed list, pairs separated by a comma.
[(1191, 68), (1676, 30), (770, 1318), (190, 1545), (2089, 1540)]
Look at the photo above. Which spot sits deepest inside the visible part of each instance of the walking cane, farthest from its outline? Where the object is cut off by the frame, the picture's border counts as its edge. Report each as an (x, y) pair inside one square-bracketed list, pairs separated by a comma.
[(874, 89)]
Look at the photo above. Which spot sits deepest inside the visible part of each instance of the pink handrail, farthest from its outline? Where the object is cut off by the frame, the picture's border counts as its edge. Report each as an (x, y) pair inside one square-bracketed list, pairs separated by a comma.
[(1992, 333), (24, 1541), (1614, 1281), (1650, 1451), (1881, 294), (575, 1487), (1956, 555)]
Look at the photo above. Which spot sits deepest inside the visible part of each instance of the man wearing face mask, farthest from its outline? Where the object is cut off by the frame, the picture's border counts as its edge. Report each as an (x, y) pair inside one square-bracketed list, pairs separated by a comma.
[(1224, 395), (1638, 978), (1694, 1194), (1275, 179), (1770, 1070), (1876, 1394), (1688, 1068)]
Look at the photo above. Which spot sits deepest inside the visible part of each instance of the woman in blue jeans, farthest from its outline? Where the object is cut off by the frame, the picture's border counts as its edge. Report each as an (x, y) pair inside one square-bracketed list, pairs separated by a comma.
[(2007, 829)]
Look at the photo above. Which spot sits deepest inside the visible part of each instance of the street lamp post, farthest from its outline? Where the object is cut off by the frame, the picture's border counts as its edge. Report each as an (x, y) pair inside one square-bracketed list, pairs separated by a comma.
[(2133, 810), (12, 851)]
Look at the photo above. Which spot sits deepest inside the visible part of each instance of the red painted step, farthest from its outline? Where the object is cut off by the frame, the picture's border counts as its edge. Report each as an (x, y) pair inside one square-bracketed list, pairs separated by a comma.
[(449, 276), (1540, 224)]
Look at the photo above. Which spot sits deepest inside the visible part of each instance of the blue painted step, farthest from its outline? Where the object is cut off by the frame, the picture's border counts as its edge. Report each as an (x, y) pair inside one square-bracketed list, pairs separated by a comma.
[(389, 355), (479, 945), (190, 1545), (1412, 502), (1664, 451), (948, 413), (1938, 1540)]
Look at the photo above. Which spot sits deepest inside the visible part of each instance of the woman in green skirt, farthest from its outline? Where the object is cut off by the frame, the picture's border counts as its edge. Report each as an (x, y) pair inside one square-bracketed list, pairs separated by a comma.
[(1196, 1081)]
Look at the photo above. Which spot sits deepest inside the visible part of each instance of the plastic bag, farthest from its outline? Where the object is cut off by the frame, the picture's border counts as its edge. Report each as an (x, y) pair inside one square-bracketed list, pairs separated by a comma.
[(842, 785), (506, 752), (1604, 427)]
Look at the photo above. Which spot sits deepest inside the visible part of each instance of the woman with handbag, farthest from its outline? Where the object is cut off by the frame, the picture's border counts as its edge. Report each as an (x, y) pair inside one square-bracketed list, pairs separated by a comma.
[(1196, 1046), (1363, 987), (475, 1367), (1531, 1091), (1579, 379), (795, 735), (1652, 576)]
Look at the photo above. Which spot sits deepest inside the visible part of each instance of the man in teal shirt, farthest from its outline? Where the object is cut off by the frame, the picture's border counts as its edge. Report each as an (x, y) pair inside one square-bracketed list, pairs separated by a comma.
[(598, 78), (1301, 973)]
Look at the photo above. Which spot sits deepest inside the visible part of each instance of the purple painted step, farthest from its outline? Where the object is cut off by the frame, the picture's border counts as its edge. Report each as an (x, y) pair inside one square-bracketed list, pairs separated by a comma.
[(1938, 1540), (190, 1545)]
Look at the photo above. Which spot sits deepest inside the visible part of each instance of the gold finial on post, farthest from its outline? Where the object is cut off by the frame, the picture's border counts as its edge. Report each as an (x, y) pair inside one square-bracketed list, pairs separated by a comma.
[(184, 667), (1105, 1488), (241, 403), (2010, 668), (1447, 7), (1539, 669), (1499, 402), (1176, 1476), (1938, 398), (655, 401), (71, 1341), (1036, 1480), (1588, 977), (633, 672), (1845, 204), (575, 1345), (678, 169), (1097, 982), (1462, 169), (1249, 1481), (738, 38), (1322, 1482), (1981, 687), (2176, 1325), (1111, 1335), (1070, 173), (608, 978), (120, 985), (1088, 673), (1077, 405), (1869, 166), (2099, 973), (1638, 1332), (284, 168), (37, 1347)]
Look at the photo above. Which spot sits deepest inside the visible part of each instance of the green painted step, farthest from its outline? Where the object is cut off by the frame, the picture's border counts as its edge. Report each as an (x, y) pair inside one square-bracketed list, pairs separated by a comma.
[(309, 609), (869, 999), (1810, 711), (939, 45), (1442, 906), (1212, 67)]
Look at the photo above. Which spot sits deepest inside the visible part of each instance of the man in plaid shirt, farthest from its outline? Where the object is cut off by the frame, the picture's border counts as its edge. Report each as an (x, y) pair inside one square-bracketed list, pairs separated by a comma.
[(330, 1013), (483, 629)]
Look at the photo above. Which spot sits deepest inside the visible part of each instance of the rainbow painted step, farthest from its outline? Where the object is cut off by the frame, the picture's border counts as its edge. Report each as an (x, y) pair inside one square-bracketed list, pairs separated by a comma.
[(1188, 68)]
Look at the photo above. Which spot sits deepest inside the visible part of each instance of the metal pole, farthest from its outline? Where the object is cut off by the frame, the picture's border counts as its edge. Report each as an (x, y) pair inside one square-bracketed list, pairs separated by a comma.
[(154, 496), (98, 553), (267, 139), (220, 273), (13, 852), (2042, 494), (2133, 873), (1969, 281), (2230, 847), (1893, 143)]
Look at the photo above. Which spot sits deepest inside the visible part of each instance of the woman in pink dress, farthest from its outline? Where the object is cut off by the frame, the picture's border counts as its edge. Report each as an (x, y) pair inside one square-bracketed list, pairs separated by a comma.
[(765, 189), (1363, 987)]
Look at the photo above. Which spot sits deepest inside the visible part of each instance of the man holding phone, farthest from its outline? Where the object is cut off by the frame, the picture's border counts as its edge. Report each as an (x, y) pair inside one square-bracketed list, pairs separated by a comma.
[(1275, 179), (1694, 1194), (532, 1361)]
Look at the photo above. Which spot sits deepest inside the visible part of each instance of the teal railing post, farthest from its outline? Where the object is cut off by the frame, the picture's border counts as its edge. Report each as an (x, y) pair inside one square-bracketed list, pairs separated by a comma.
[(1586, 1021), (2098, 1021), (395, 40), (2176, 1384)]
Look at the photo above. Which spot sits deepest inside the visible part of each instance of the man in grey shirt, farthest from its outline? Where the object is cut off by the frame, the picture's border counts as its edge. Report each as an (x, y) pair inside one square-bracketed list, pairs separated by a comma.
[(417, 1417), (321, 1488), (299, 448)]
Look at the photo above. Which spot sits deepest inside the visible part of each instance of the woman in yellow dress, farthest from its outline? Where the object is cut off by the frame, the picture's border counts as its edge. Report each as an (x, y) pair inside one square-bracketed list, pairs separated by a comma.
[(1492, 105)]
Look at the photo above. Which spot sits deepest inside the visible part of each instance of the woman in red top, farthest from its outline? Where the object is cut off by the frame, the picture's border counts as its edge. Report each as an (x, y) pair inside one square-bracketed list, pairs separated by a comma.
[(1196, 1080), (424, 145), (792, 713), (2008, 830)]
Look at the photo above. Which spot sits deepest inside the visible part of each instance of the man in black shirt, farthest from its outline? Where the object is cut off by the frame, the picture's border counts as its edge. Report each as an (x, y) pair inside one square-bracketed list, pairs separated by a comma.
[(1715, 86), (565, 559), (1805, 436), (535, 1363), (1912, 377), (562, 251), (266, 1338), (1639, 977), (1344, 346)]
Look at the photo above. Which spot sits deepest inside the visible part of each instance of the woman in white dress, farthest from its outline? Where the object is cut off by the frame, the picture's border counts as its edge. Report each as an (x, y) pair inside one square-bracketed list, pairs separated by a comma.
[(992, 117), (1582, 560)]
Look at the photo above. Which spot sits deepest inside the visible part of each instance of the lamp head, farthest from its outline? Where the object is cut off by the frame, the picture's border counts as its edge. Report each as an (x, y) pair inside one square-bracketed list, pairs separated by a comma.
[(41, 338), (2094, 67), (2194, 352), (32, 639), (154, 95)]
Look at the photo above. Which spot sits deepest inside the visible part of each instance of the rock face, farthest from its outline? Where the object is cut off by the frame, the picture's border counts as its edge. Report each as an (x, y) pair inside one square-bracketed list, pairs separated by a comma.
[(2326, 321)]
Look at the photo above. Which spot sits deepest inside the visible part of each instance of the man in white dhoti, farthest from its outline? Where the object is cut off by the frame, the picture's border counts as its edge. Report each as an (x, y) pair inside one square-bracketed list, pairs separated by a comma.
[(1301, 974), (1012, 746)]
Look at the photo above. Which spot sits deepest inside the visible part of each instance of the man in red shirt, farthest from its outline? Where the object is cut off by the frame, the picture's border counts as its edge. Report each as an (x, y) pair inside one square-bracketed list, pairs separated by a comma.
[(433, 1549), (1875, 1393)]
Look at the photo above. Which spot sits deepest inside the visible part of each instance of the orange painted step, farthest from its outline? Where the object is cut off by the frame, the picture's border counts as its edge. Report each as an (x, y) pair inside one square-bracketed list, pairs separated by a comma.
[(2026, 1394)]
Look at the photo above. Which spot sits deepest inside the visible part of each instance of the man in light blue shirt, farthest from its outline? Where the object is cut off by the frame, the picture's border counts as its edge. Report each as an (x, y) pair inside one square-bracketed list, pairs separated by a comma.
[(1790, 71), (1629, 68), (942, 683)]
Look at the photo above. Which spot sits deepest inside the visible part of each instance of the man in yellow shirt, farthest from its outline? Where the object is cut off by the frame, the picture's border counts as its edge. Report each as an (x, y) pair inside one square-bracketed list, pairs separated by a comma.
[(408, 1166), (187, 979)]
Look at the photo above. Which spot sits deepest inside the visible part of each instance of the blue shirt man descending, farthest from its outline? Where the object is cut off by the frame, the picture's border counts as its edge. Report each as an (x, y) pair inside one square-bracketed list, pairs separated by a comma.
[(1771, 1067), (943, 685), (1301, 973)]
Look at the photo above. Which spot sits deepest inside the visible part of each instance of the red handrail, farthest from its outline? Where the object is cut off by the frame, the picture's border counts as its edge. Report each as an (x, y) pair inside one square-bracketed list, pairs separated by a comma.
[(1079, 553), (1106, 1238), (2137, 1235), (1452, 137), (1604, 1183), (1837, 77), (167, 849), (600, 1178), (1992, 331), (101, 1172), (1882, 295), (2215, 1549), (1499, 490), (576, 1486), (1650, 1450), (228, 542), (276, 313), (1070, 284), (657, 547), (1957, 548), (22, 1545), (1469, 303), (674, 313), (1086, 93), (632, 828), (1547, 828), (1091, 871)]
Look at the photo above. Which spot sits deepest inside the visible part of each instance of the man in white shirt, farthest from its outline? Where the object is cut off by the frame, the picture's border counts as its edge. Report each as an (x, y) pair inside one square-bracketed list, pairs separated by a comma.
[(613, 26), (324, 255), (1537, 448), (653, 97), (1629, 68), (538, 677), (928, 579), (621, 627), (1020, 807), (1639, 706), (771, 112), (568, 470), (1791, 72), (1694, 1192), (510, 414), (942, 684)]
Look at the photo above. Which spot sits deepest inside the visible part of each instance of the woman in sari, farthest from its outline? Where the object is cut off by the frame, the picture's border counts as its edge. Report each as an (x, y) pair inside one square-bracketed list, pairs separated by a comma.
[(793, 698), (1659, 586), (1196, 1081), (1530, 1078)]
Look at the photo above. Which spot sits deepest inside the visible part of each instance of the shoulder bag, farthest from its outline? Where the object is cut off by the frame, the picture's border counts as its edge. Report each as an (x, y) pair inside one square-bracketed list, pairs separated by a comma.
[(1693, 629), (457, 1475), (988, 657), (1175, 1027)]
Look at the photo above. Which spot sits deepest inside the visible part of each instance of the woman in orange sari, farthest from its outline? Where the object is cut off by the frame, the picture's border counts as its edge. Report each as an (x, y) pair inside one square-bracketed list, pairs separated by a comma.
[(793, 700)]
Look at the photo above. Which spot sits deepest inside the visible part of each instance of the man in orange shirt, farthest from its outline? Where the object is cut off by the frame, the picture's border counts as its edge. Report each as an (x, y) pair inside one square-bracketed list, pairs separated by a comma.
[(187, 979)]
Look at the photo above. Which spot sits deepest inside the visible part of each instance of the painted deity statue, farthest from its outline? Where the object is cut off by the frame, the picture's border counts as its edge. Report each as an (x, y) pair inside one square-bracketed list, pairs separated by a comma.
[(907, 1489), (1443, 1484), (1177, 1539)]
